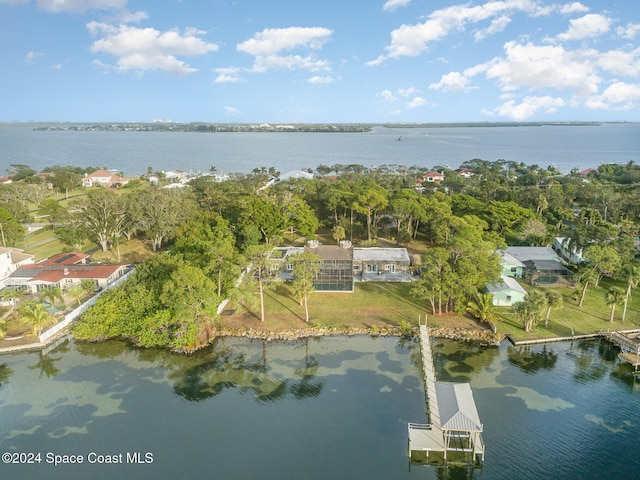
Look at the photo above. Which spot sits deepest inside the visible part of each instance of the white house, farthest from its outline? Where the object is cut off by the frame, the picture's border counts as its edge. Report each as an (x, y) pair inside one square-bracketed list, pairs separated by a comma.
[(506, 292), (10, 260), (103, 178)]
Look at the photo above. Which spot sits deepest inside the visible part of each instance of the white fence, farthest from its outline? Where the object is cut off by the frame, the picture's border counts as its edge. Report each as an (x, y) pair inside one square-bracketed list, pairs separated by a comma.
[(71, 316)]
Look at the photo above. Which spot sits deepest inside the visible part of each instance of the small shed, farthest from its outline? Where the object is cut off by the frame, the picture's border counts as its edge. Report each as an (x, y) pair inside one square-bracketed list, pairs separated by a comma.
[(506, 292)]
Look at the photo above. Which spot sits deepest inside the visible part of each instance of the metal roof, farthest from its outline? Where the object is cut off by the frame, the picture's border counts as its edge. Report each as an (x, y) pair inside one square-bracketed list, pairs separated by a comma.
[(533, 253), (457, 407), (381, 254), (506, 283)]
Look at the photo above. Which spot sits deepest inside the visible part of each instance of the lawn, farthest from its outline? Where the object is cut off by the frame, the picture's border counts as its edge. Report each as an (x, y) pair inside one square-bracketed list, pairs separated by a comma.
[(371, 305), (592, 317)]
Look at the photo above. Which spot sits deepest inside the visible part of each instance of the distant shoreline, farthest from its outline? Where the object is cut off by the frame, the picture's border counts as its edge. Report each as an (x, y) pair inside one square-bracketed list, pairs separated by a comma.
[(214, 127)]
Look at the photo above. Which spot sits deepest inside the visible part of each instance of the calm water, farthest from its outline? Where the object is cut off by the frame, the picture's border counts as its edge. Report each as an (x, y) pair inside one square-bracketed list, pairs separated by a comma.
[(566, 147), (319, 409)]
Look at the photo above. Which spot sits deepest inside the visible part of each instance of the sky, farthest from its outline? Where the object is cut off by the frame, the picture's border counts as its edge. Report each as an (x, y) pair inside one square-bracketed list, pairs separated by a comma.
[(319, 61)]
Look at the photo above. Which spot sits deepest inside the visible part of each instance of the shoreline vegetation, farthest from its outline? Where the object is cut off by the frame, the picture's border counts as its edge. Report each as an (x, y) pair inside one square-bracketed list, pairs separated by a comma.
[(190, 246), (205, 127)]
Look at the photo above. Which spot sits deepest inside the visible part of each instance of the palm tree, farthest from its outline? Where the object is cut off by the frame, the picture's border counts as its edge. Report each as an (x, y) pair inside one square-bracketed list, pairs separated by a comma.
[(37, 315), (53, 295), (614, 297), (554, 300), (482, 308), (76, 292), (632, 273)]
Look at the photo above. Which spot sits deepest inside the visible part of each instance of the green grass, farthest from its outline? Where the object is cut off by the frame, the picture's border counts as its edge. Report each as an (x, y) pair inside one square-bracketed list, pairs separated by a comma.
[(592, 317), (371, 305)]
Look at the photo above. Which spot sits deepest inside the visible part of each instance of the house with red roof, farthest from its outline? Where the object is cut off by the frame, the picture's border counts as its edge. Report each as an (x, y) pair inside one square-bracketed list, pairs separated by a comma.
[(63, 271), (10, 260), (103, 178)]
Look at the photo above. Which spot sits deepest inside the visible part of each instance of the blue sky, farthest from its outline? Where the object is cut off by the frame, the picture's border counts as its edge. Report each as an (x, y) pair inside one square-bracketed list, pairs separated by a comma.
[(287, 61)]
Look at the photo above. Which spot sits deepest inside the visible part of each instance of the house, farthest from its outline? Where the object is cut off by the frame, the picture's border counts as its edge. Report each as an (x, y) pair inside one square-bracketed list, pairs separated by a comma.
[(532, 253), (572, 255), (506, 292), (511, 266), (336, 267), (466, 172), (103, 178), (434, 177), (63, 271), (10, 260), (377, 264)]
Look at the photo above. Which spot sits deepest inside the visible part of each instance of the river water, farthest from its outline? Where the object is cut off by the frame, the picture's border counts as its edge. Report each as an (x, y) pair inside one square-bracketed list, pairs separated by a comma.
[(566, 147), (329, 408)]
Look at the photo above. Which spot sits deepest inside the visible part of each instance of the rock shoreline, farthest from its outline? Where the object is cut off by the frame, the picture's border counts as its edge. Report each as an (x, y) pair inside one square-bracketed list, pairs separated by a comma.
[(482, 337)]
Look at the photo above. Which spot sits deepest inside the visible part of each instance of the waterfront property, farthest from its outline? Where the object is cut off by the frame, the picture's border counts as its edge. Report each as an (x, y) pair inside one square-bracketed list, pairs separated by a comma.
[(336, 267), (10, 260), (542, 266), (103, 178), (63, 271), (511, 266), (506, 292), (377, 264), (454, 424)]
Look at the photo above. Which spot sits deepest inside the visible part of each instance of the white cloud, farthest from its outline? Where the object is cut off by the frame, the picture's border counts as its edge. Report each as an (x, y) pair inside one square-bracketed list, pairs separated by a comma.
[(412, 40), (142, 49), (32, 55), (407, 92), (80, 6), (548, 66), (619, 62), (321, 80), (529, 106), (230, 111), (57, 66), (417, 102), (14, 2), (618, 96), (497, 26), (267, 47), (391, 5), (575, 7), (630, 31), (589, 26), (387, 95), (228, 75), (452, 82)]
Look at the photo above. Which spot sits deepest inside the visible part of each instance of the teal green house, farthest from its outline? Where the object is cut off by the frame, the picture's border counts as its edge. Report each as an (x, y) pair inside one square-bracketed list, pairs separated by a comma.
[(511, 266)]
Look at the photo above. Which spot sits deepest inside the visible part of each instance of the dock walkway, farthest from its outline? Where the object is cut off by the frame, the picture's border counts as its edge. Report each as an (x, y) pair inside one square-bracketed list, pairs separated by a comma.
[(457, 428)]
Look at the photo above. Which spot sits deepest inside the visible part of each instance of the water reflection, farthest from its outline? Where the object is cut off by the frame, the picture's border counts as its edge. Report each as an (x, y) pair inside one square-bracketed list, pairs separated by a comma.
[(530, 360), (5, 373)]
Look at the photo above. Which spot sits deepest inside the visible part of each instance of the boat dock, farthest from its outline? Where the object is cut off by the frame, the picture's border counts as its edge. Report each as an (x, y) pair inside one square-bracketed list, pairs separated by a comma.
[(454, 424), (629, 343)]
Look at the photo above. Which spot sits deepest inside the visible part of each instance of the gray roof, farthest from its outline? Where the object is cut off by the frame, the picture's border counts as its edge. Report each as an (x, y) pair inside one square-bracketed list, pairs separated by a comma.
[(332, 252), (294, 174), (457, 407), (547, 266), (508, 259), (381, 254), (506, 283), (533, 253)]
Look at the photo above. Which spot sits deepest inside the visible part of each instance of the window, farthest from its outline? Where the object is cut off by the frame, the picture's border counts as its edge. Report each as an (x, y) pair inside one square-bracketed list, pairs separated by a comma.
[(372, 268), (514, 269), (508, 298), (289, 267), (390, 267)]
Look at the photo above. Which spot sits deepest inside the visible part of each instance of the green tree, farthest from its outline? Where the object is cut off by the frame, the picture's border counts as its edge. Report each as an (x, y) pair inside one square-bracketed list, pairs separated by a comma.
[(103, 214), (530, 310), (263, 271), (632, 274), (53, 295), (10, 228), (338, 233), (482, 308), (604, 259), (553, 300), (36, 314), (76, 292), (371, 200), (305, 268), (162, 211), (586, 276), (615, 296)]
